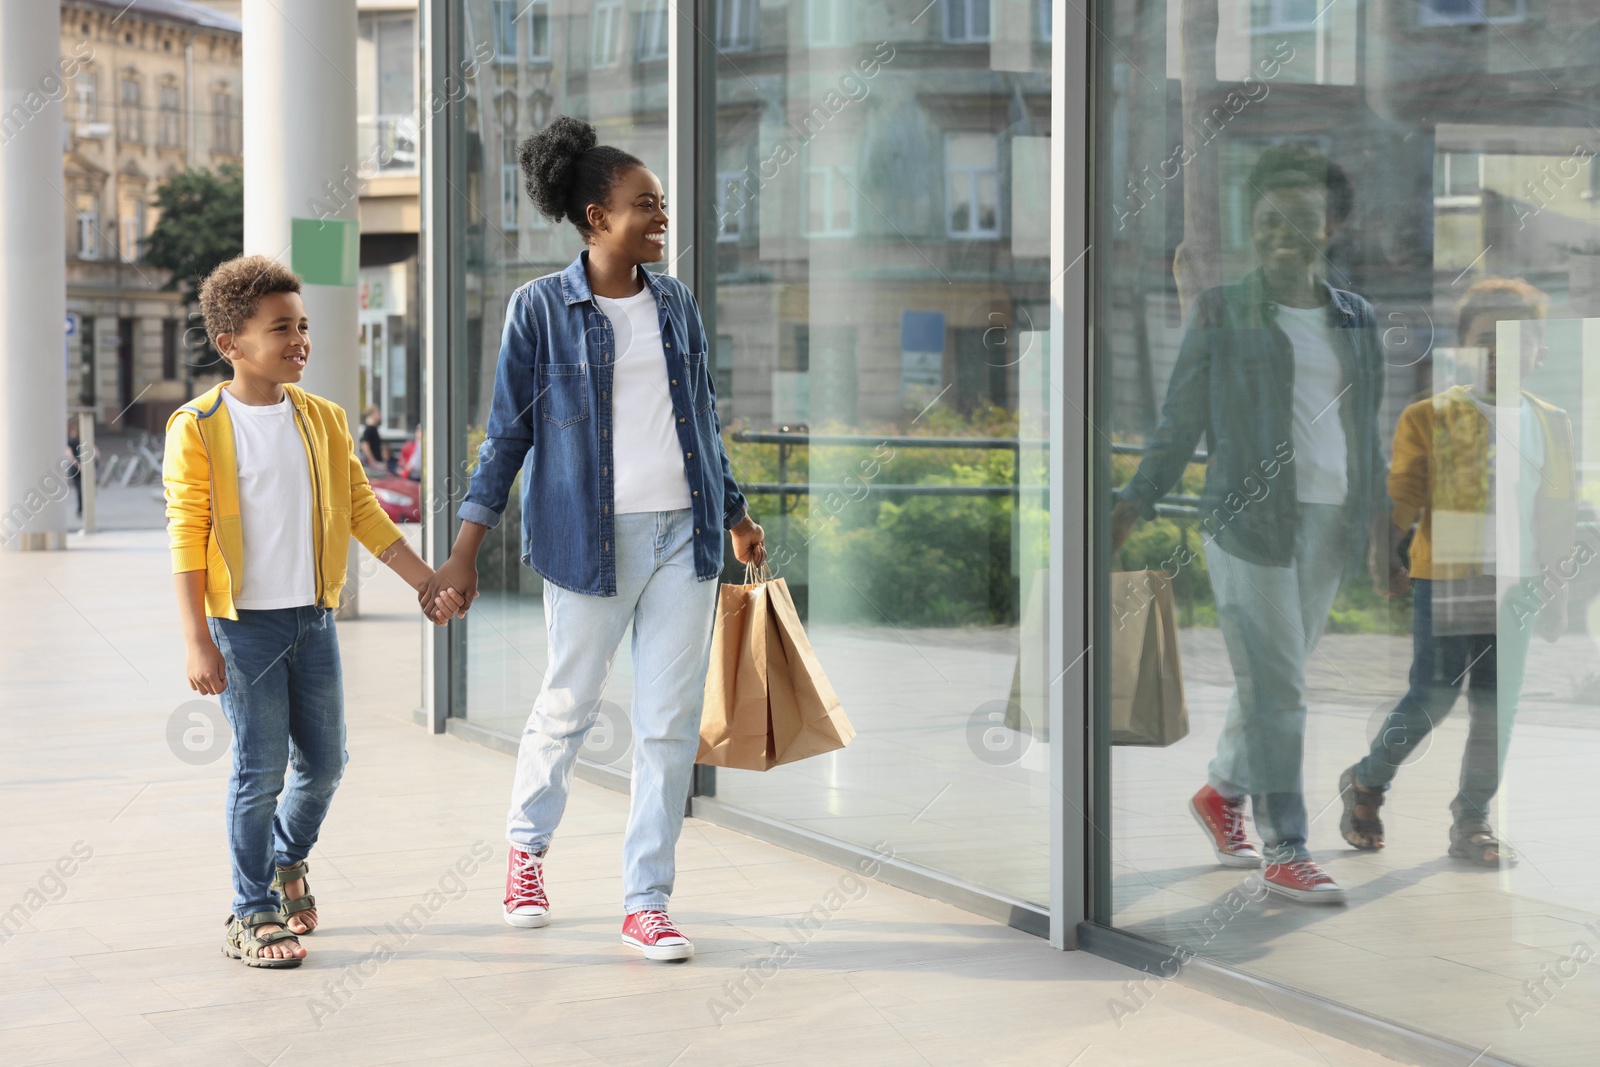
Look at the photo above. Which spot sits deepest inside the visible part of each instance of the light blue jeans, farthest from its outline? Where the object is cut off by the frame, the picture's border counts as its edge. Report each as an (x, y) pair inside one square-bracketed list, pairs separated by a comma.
[(672, 612), (285, 702), (1271, 619)]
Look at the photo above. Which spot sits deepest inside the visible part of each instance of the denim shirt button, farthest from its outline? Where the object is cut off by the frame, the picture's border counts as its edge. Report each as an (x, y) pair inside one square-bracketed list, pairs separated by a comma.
[(697, 529), (695, 493), (674, 381)]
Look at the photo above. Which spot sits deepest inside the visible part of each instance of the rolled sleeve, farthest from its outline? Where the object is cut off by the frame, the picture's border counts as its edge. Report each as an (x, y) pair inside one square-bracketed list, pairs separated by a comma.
[(510, 430)]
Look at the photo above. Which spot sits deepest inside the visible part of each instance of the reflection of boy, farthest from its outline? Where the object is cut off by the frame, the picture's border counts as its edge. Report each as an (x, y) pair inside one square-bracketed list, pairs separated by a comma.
[(1479, 546)]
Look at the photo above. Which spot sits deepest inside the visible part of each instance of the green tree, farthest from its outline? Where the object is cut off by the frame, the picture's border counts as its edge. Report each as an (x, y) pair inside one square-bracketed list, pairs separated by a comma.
[(201, 226)]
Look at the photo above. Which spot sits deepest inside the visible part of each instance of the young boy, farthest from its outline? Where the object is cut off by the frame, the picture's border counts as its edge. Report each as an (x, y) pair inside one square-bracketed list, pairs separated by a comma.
[(264, 490)]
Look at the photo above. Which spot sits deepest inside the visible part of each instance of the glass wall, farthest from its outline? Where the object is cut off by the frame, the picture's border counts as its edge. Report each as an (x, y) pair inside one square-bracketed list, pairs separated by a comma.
[(874, 264), (881, 294), (545, 59), (1348, 303)]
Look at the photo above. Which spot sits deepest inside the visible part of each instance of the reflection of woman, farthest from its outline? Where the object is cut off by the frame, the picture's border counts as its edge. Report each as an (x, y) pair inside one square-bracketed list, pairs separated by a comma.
[(1460, 457), (604, 388), (1282, 373)]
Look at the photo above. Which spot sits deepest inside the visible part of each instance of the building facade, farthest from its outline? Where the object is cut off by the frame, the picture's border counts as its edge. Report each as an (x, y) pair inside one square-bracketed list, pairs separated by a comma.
[(156, 91)]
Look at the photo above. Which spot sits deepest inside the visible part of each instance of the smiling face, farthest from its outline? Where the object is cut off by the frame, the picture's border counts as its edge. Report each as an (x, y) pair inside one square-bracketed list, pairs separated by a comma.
[(633, 224), (1289, 229), (273, 345)]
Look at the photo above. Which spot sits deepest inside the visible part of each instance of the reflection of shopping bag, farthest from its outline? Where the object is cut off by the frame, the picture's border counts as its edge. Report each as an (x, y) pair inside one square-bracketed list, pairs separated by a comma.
[(1147, 706), (767, 700)]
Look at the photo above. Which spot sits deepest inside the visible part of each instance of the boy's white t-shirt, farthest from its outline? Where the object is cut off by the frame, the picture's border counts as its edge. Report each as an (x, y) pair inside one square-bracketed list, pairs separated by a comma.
[(274, 506), (647, 456), (1320, 455)]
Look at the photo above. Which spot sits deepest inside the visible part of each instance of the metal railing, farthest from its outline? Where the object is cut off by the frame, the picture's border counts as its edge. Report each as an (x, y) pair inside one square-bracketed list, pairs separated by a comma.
[(787, 441)]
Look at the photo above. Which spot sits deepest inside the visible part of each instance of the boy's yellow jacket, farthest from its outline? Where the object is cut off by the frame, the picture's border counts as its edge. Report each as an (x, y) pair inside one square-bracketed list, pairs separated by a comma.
[(1441, 465), (202, 488)]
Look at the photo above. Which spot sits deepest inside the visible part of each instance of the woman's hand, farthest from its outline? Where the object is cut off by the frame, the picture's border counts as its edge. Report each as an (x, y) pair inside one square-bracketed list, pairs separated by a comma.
[(206, 670), (749, 544), (1123, 517)]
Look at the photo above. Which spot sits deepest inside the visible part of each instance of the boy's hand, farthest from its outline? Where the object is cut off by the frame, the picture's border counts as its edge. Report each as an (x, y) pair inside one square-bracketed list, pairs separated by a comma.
[(446, 604), (208, 674)]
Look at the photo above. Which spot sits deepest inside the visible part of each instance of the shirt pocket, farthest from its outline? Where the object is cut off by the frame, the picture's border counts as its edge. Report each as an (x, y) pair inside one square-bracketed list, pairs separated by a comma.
[(696, 369), (564, 392)]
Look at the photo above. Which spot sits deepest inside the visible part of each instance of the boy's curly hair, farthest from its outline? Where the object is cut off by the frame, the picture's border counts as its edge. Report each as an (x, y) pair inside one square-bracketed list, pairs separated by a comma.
[(1501, 299), (231, 294)]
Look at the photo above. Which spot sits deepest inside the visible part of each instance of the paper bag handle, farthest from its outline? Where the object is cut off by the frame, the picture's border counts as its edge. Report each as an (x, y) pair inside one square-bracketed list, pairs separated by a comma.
[(754, 575)]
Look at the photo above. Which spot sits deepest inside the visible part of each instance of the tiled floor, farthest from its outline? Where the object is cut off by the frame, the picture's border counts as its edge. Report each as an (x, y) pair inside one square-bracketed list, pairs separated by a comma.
[(113, 887)]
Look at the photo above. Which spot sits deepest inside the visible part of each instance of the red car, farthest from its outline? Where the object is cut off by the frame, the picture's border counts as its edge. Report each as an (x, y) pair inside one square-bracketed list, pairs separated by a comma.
[(401, 498)]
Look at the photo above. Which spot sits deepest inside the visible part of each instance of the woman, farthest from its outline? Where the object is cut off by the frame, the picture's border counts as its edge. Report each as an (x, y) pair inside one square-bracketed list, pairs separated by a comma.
[(603, 376), (1282, 374)]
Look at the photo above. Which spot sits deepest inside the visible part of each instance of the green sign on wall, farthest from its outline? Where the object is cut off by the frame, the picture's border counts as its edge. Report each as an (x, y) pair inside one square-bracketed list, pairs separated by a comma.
[(325, 251)]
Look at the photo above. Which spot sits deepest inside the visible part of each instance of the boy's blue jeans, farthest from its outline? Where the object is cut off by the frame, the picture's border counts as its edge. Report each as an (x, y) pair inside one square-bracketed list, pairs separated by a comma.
[(285, 702), (1491, 665), (672, 614)]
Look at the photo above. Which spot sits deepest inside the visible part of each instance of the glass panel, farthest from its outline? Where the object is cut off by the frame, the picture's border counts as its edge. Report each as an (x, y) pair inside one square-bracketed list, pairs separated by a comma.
[(1345, 339), (885, 394), (502, 248)]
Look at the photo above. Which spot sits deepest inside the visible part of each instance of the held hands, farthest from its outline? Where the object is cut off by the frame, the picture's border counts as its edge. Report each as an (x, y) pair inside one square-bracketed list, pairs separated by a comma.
[(450, 591)]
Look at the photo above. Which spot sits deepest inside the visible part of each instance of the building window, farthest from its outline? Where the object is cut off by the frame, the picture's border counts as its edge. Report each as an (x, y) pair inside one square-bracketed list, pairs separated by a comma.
[(829, 23), (386, 94), (510, 181), (606, 33), (651, 41), (1470, 12), (1044, 20), (222, 122), (736, 25), (1284, 16), (131, 223), (130, 114), (966, 21), (830, 190), (538, 16), (1457, 174), (171, 117), (169, 349), (730, 204), (505, 30), (972, 184), (86, 89), (88, 205)]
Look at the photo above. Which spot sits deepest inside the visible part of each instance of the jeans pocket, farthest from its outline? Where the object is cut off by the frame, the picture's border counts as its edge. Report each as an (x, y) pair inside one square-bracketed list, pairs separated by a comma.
[(564, 392)]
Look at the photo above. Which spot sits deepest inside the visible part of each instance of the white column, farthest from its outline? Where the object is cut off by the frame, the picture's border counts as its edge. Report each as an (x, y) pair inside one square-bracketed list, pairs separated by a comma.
[(33, 279), (300, 159)]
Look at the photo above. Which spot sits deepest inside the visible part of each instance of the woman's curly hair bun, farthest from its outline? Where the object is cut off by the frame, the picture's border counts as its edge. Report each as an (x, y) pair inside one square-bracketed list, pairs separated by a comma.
[(565, 168)]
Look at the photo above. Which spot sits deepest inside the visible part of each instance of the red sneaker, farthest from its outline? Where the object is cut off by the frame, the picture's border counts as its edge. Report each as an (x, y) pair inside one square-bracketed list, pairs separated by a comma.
[(652, 933), (526, 903), (1223, 821), (1304, 881)]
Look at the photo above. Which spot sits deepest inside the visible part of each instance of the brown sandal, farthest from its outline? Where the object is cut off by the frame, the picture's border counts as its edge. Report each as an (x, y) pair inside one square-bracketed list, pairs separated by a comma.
[(1364, 833), (305, 907), (1477, 844)]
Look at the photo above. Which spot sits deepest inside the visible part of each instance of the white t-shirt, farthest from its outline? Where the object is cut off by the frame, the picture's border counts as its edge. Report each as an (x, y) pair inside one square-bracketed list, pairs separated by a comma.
[(647, 455), (1321, 463), (274, 506)]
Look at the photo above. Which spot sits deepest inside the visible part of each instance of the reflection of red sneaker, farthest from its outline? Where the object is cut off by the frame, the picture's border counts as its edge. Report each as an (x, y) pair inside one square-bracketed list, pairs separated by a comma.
[(526, 903), (1304, 881), (1223, 820), (652, 933)]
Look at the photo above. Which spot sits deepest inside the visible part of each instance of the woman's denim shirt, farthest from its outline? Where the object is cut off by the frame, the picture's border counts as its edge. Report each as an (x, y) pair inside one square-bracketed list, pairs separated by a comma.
[(552, 408), (1233, 384)]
